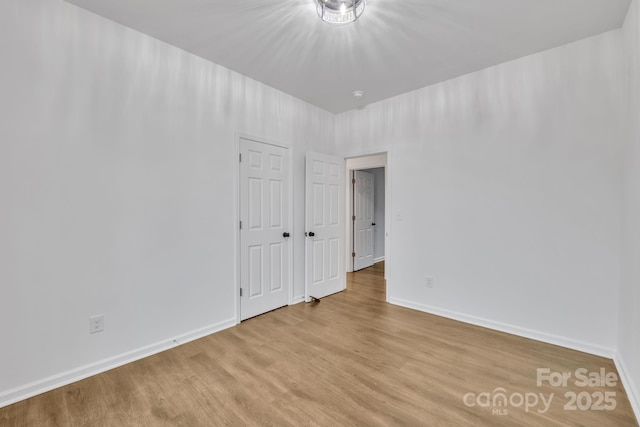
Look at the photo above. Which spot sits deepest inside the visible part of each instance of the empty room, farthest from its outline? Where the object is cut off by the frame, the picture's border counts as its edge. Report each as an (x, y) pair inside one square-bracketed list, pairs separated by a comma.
[(319, 212)]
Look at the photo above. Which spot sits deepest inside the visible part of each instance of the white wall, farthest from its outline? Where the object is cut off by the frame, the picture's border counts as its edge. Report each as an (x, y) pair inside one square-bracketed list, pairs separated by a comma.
[(505, 188), (629, 335), (118, 174)]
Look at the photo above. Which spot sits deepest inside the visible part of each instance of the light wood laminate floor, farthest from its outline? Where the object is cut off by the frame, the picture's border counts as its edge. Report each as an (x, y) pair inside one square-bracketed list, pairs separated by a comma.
[(352, 359)]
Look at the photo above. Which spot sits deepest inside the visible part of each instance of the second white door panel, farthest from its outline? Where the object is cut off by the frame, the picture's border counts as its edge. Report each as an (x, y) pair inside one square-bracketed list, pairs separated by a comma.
[(363, 222), (324, 224)]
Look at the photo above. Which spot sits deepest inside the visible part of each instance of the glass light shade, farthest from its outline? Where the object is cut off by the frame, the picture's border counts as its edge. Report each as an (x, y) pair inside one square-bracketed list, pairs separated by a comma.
[(339, 11)]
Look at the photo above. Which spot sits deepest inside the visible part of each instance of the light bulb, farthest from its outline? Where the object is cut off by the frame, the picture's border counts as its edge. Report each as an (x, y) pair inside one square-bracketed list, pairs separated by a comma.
[(343, 8)]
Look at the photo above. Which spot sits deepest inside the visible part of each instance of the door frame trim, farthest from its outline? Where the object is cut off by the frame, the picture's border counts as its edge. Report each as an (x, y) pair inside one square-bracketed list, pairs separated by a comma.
[(360, 162), (236, 214)]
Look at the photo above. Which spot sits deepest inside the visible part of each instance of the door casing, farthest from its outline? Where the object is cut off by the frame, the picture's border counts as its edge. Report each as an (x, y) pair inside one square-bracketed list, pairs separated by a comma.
[(369, 161)]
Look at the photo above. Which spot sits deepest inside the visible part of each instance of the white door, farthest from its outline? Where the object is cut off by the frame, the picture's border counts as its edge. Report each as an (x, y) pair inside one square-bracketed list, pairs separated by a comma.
[(363, 222), (264, 227), (324, 249)]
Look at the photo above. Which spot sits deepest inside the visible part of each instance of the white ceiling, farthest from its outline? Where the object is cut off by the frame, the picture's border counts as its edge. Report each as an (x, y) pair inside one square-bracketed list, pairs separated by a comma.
[(395, 47)]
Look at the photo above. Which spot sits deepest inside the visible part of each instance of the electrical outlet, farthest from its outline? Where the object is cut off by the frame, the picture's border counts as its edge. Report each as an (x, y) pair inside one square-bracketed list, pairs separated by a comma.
[(429, 282), (96, 324)]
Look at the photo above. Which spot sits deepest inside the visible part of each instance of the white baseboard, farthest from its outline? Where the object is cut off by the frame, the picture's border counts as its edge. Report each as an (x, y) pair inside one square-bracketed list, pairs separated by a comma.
[(585, 347), (26, 391), (377, 260), (628, 384)]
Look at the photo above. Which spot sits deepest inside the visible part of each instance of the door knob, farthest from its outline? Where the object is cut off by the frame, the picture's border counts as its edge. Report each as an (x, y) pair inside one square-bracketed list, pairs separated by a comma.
[(373, 223), (285, 234), (311, 234)]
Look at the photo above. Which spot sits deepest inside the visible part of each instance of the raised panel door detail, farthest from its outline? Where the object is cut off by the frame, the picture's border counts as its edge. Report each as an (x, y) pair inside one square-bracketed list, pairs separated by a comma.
[(368, 249), (256, 276), (360, 241), (318, 205), (275, 201), (318, 261), (334, 260), (334, 205), (255, 159), (255, 203), (276, 254), (275, 162)]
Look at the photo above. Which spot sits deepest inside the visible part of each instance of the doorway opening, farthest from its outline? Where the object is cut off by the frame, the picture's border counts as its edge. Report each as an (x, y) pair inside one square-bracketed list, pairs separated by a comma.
[(367, 210), (368, 217), (369, 281)]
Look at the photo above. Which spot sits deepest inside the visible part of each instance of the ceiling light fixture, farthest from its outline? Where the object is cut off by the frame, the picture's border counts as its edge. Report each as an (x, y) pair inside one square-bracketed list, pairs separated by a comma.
[(339, 11)]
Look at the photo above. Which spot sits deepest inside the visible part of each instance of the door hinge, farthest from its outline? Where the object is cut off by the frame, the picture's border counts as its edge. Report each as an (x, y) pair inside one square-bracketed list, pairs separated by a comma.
[(353, 254), (353, 218), (240, 291), (240, 225), (240, 157), (353, 181)]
